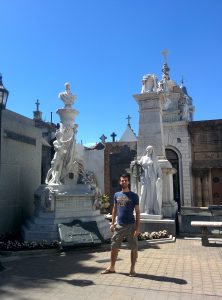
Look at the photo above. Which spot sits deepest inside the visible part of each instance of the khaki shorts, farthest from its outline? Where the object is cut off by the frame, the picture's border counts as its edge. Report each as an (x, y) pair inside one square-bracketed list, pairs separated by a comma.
[(124, 231)]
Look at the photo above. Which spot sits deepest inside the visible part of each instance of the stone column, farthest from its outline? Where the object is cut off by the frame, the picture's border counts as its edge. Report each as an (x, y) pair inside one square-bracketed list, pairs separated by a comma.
[(150, 123), (205, 188), (210, 187), (198, 191)]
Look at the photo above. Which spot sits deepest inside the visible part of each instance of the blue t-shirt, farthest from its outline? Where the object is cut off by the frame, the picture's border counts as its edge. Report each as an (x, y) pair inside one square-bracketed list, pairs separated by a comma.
[(125, 203)]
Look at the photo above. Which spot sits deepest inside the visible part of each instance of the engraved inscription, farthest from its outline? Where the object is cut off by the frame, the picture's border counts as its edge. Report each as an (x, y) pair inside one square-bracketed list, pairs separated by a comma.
[(78, 232)]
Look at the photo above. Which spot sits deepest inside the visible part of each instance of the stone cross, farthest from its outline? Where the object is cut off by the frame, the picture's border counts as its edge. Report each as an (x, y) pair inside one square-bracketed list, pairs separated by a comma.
[(103, 138), (128, 118), (182, 81), (113, 135), (37, 105), (165, 53)]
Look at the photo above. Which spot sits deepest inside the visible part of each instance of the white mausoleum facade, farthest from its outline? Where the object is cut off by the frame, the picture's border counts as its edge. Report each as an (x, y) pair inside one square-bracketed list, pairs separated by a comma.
[(165, 110)]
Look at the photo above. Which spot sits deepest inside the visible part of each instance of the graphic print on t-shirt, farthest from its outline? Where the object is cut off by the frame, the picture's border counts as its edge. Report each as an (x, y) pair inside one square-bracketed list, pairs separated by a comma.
[(122, 200)]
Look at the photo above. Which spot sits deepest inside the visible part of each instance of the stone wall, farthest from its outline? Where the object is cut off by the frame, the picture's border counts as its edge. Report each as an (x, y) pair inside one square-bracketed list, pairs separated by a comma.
[(94, 161), (118, 156), (21, 157)]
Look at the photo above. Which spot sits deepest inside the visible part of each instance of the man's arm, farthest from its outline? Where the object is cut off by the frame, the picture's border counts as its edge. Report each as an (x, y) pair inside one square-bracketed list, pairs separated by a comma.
[(113, 217), (137, 230)]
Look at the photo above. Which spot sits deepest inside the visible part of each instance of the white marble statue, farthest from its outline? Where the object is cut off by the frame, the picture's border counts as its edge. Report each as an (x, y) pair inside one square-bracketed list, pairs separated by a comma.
[(149, 83), (54, 173), (64, 160), (67, 97), (185, 114), (185, 110), (151, 183)]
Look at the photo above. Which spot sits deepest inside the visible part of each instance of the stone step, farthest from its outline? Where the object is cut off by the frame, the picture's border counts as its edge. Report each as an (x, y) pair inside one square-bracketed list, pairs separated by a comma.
[(65, 214), (40, 227), (45, 221), (45, 215), (40, 220), (77, 213), (98, 218), (39, 236)]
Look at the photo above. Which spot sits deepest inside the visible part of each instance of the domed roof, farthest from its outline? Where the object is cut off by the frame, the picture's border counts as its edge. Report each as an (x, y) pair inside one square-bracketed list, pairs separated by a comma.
[(183, 88)]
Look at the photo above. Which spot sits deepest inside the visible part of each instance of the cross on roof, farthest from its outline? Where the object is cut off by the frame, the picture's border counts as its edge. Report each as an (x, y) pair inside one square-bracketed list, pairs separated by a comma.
[(182, 81), (128, 118), (165, 53), (37, 104), (103, 138), (113, 135)]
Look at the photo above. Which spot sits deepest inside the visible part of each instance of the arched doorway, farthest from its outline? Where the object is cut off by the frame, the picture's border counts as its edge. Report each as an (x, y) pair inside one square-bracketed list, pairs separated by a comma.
[(172, 156)]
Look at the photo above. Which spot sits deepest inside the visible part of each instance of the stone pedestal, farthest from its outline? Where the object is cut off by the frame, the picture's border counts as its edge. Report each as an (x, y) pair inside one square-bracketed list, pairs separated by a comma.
[(169, 206), (67, 116), (167, 220), (151, 225), (150, 217), (62, 204)]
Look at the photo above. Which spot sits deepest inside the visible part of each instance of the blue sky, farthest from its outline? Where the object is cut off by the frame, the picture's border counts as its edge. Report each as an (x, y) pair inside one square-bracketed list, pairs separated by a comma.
[(103, 48)]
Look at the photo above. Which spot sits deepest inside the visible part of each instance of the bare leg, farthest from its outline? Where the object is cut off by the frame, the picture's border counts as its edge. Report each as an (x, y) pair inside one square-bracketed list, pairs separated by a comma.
[(114, 254), (111, 268), (134, 255)]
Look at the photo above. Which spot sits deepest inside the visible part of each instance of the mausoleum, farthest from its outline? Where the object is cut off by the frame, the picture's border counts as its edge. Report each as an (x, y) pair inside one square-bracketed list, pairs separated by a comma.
[(192, 148)]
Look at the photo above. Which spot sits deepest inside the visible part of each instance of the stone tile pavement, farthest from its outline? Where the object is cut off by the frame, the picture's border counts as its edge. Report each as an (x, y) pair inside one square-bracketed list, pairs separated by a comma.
[(181, 270)]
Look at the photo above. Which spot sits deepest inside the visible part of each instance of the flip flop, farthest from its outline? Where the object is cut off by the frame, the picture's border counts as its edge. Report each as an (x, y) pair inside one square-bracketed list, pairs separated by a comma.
[(107, 271), (132, 274)]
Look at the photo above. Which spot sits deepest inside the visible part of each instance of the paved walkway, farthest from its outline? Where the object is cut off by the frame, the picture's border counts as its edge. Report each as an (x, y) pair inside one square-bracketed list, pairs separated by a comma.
[(180, 270)]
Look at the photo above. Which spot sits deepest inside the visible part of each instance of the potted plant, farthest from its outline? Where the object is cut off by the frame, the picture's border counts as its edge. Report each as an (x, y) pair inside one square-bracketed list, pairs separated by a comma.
[(104, 203)]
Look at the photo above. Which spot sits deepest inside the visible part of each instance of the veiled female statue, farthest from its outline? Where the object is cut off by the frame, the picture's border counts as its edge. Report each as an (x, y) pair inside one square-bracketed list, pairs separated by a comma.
[(151, 183)]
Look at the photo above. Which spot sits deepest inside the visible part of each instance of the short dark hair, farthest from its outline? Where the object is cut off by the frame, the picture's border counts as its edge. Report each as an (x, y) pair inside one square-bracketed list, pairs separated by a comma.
[(125, 175)]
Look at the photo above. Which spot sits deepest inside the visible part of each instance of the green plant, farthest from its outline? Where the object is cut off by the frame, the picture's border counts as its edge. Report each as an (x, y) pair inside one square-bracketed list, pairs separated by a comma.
[(105, 201), (104, 198)]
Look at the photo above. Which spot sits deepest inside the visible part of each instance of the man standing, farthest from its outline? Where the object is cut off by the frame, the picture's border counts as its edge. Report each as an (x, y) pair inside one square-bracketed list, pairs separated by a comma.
[(125, 202)]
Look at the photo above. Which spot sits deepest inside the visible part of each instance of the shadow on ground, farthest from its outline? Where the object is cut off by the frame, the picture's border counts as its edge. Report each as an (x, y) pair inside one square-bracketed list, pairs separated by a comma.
[(159, 278), (78, 282), (38, 271)]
